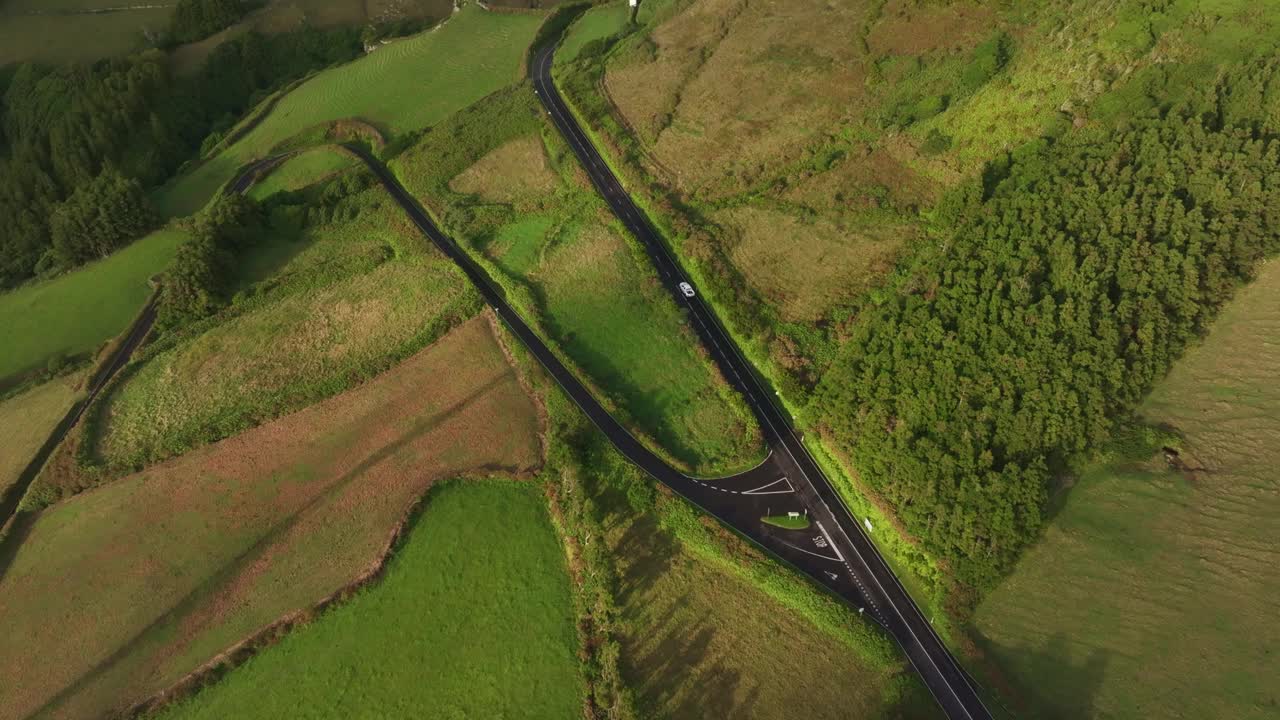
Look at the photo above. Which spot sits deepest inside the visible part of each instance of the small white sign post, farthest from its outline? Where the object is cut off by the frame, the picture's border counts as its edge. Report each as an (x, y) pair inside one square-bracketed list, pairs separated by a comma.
[(867, 522)]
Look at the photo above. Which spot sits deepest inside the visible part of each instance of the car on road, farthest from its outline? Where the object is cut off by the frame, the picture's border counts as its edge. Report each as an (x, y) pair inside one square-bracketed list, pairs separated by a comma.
[(687, 289)]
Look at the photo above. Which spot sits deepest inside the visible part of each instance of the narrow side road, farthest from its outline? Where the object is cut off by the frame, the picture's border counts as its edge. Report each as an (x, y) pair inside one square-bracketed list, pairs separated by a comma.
[(835, 551)]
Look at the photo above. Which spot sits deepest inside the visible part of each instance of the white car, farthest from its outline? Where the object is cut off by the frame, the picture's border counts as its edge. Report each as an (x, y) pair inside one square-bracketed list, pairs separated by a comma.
[(687, 289)]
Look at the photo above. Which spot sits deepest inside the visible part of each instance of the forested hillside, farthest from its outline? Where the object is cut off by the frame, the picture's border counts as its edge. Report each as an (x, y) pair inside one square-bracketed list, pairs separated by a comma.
[(109, 128), (962, 238), (1054, 292)]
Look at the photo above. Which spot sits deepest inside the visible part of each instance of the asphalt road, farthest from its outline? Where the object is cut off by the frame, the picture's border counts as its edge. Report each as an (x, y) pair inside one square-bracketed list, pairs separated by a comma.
[(835, 551)]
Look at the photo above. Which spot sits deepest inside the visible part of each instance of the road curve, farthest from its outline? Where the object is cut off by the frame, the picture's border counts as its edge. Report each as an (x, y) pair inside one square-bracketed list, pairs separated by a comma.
[(839, 555), (833, 550)]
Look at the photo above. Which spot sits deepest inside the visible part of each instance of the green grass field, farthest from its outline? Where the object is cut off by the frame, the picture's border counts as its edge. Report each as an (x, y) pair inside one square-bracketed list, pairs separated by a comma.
[(473, 619), (75, 313), (26, 420), (407, 85), (555, 247), (302, 170), (347, 300), (598, 22), (1153, 592)]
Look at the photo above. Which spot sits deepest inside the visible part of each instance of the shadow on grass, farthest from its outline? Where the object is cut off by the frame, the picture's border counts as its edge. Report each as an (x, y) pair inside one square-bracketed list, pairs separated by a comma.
[(1061, 689)]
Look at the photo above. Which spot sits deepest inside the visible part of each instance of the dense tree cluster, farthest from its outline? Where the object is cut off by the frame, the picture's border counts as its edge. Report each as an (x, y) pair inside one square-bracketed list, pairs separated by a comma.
[(62, 128), (100, 217), (1054, 292), (198, 19), (199, 281)]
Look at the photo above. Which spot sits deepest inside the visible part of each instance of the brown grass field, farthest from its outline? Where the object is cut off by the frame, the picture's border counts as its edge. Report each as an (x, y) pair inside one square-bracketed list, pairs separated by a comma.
[(836, 263), (1155, 592), (735, 100), (734, 88), (26, 420), (119, 592), (508, 174)]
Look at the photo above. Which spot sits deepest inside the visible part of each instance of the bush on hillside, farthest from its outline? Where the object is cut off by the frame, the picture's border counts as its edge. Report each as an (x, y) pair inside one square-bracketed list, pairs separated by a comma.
[(198, 19), (198, 282)]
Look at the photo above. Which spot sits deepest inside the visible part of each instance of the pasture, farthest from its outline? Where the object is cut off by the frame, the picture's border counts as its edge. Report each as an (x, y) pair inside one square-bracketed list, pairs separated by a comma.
[(75, 313), (472, 619), (1153, 591), (406, 85), (127, 588)]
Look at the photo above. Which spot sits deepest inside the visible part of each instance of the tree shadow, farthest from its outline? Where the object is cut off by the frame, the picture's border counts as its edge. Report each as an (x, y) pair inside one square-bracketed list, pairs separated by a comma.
[(677, 680), (1048, 683)]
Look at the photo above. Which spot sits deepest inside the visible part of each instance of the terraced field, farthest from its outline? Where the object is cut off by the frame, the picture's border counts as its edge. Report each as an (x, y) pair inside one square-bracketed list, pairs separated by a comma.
[(1154, 591), (126, 589), (404, 86)]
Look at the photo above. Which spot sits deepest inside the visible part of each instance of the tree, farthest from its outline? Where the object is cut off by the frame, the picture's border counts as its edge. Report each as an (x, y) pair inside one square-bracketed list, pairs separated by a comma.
[(100, 217)]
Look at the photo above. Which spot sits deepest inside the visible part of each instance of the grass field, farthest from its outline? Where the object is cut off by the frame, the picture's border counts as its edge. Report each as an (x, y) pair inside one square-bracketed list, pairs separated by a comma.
[(76, 38), (528, 212), (598, 22), (350, 299), (836, 263), (26, 420), (1153, 592), (127, 588), (302, 170), (404, 86), (77, 312), (473, 619)]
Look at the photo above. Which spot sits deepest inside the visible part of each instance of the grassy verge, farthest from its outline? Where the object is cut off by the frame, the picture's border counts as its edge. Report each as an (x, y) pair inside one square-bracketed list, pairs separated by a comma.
[(476, 598), (1152, 591), (75, 313), (595, 24), (405, 86), (786, 522), (128, 588), (302, 170), (578, 276)]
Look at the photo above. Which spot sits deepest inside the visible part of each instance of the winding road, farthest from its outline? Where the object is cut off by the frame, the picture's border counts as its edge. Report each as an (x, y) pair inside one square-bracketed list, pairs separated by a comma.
[(834, 550)]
